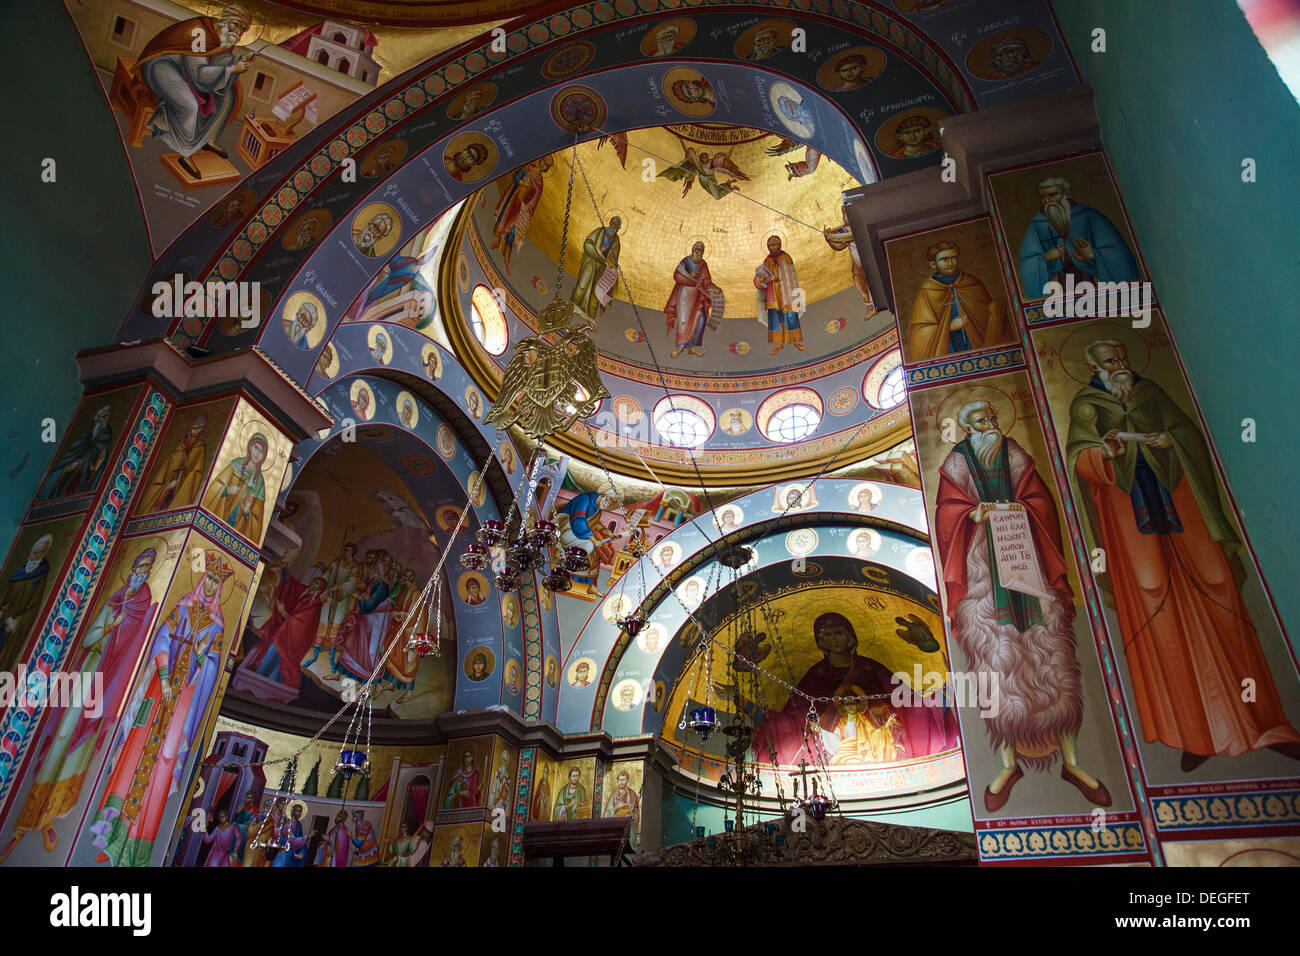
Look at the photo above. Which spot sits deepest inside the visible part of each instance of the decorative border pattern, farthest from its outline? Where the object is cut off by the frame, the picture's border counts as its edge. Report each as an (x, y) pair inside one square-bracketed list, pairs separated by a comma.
[(160, 522), (1211, 811), (523, 791), (994, 362), (79, 582), (531, 619), (1042, 843), (219, 533)]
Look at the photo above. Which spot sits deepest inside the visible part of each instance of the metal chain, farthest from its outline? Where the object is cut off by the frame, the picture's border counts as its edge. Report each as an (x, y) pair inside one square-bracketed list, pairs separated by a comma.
[(564, 234)]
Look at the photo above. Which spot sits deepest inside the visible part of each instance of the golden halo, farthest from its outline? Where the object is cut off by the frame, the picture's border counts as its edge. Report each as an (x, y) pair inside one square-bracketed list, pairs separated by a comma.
[(624, 224), (685, 33), (875, 65), (372, 335), (405, 396), (132, 548), (887, 133), (368, 162), (290, 311), (975, 392), (967, 242), (359, 386), (322, 217), (979, 59), (698, 237), (384, 244), (695, 110), (1072, 346)]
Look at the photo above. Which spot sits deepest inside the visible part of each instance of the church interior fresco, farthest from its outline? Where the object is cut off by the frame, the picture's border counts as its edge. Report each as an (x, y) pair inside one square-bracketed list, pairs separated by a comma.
[(392, 186)]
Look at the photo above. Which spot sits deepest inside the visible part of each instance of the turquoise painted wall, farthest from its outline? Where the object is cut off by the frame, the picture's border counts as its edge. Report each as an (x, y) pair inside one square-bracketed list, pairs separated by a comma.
[(74, 251), (1185, 92)]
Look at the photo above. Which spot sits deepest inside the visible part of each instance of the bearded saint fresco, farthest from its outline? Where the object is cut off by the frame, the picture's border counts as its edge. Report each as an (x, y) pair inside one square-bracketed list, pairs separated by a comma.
[(1068, 238), (193, 69), (599, 269), (689, 307), (1174, 563), (1025, 642)]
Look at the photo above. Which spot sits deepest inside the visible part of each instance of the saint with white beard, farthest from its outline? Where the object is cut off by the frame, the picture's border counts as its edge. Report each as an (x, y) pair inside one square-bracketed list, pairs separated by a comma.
[(1025, 643), (193, 68), (1068, 238)]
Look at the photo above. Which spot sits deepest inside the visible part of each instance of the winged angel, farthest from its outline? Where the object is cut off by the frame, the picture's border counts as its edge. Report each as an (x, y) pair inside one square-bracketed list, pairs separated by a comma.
[(709, 169), (547, 387)]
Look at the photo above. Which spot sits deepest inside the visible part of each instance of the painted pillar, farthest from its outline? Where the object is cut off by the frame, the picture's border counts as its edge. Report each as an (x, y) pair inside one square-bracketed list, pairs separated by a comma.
[(1048, 753), (1184, 663), (163, 488), (1208, 678)]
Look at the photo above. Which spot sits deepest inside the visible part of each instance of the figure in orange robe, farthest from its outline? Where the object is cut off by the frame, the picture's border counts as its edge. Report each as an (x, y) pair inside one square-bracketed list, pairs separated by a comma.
[(953, 311), (1152, 500)]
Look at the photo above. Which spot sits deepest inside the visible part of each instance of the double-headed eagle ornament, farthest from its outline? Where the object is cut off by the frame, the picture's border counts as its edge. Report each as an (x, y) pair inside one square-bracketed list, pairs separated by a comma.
[(549, 385)]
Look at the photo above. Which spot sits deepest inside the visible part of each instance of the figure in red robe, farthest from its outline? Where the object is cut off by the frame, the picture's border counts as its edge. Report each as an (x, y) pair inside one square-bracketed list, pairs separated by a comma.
[(290, 632), (688, 308), (1149, 491), (917, 731), (1024, 642)]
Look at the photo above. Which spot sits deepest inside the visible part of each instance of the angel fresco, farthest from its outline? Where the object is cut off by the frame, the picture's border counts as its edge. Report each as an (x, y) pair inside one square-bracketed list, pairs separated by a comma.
[(708, 168), (619, 142), (514, 211), (802, 167)]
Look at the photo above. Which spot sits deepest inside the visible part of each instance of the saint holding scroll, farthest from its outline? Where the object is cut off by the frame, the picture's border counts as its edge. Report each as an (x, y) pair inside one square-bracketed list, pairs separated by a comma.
[(1009, 601)]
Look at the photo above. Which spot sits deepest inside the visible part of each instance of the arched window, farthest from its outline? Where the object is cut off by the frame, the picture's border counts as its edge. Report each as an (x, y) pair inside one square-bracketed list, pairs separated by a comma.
[(892, 390), (487, 321), (793, 423), (884, 386), (684, 420), (790, 415)]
